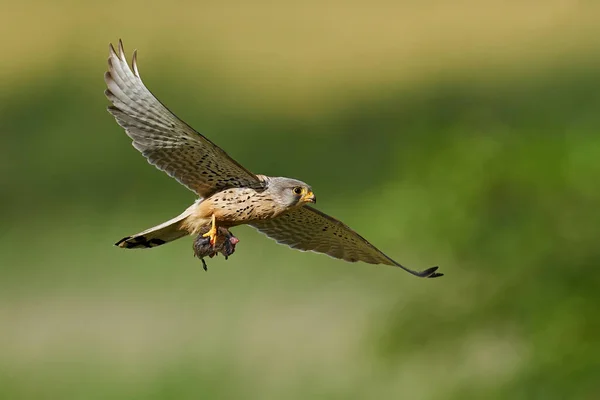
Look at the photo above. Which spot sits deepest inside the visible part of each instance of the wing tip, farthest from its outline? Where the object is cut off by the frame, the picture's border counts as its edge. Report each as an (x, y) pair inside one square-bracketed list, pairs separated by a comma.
[(136, 72), (430, 273), (427, 273), (121, 51), (111, 50), (118, 54)]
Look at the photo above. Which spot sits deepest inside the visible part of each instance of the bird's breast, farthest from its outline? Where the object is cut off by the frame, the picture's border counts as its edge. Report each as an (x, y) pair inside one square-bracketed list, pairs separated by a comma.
[(239, 206)]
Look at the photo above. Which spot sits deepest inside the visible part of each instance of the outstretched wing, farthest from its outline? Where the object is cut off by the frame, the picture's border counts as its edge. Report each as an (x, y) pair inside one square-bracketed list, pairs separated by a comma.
[(305, 228), (166, 141)]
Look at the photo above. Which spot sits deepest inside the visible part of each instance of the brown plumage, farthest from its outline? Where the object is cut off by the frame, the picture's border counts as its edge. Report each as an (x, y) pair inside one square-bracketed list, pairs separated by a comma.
[(230, 195)]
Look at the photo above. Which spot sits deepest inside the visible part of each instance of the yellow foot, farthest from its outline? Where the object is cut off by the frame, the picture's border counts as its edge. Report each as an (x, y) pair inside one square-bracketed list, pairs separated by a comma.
[(212, 233)]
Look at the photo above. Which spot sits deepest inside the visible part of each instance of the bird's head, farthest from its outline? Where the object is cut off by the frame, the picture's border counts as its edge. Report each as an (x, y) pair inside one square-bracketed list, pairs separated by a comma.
[(291, 192)]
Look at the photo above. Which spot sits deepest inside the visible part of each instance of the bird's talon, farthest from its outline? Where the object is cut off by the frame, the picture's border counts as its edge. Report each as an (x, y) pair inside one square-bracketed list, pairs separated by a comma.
[(212, 233)]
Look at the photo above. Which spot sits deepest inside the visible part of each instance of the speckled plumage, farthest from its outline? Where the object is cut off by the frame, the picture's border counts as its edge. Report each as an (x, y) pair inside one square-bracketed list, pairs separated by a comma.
[(230, 195), (232, 207)]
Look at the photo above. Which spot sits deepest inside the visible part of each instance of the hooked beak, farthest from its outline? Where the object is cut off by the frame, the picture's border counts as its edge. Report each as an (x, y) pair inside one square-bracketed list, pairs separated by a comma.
[(309, 197)]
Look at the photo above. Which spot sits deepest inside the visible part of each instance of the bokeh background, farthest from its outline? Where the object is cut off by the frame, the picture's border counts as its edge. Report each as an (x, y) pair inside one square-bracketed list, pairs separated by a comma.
[(463, 134)]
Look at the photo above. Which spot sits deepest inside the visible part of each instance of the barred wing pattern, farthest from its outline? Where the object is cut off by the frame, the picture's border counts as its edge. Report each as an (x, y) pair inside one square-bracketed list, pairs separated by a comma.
[(305, 228), (166, 141)]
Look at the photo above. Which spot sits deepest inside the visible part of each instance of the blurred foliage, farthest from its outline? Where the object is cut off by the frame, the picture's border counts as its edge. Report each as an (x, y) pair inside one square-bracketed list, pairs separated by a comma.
[(494, 178)]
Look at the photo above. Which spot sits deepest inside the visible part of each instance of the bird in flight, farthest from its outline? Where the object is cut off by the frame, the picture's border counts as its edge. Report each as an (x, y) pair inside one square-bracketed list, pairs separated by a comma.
[(229, 194)]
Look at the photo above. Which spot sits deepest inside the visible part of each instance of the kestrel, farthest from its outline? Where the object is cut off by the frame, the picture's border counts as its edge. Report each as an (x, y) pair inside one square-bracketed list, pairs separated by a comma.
[(229, 194)]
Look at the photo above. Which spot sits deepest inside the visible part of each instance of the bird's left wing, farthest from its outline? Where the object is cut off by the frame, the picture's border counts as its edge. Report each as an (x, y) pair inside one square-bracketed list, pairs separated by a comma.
[(166, 141), (305, 228)]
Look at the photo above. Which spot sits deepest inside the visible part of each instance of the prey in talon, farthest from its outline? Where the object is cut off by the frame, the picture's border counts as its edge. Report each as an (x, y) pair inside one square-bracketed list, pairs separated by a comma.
[(224, 243), (229, 194)]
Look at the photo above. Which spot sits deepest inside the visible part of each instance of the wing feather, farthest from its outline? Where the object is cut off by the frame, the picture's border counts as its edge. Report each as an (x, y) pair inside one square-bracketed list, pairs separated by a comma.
[(305, 228), (166, 141)]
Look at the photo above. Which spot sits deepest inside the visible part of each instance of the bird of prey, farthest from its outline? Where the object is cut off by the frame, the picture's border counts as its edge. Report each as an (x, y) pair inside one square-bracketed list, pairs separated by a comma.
[(229, 194)]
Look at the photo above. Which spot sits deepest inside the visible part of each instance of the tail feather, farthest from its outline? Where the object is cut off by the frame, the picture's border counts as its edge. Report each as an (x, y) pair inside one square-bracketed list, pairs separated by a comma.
[(160, 234)]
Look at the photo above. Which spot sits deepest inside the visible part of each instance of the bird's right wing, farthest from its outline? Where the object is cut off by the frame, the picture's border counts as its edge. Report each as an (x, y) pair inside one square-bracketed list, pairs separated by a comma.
[(166, 141), (305, 228)]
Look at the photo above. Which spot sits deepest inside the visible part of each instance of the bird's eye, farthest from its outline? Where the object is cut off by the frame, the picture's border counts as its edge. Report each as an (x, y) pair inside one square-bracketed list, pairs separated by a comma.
[(297, 190)]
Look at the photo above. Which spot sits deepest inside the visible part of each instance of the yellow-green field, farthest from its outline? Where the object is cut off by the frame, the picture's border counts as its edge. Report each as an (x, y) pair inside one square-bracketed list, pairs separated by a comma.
[(461, 134)]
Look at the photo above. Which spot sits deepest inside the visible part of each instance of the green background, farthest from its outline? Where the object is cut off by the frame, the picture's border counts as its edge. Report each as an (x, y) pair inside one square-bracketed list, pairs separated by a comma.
[(464, 136)]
